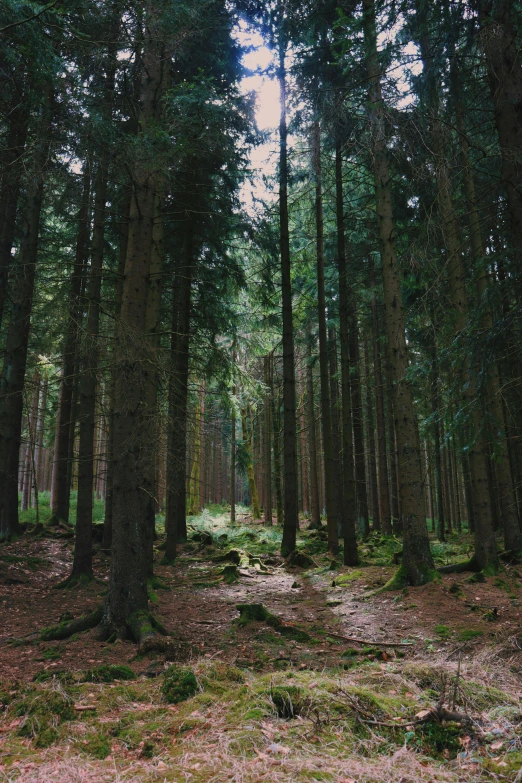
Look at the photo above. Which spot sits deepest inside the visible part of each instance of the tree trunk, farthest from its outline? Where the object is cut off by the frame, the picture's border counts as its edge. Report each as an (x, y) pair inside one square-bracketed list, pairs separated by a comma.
[(291, 513), (65, 418), (268, 439), (384, 487), (125, 610), (349, 510), (502, 467), (176, 513), (332, 504), (13, 168), (15, 355), (417, 562)]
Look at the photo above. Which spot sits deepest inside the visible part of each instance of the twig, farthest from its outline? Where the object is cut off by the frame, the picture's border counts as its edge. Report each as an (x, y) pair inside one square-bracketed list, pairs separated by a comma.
[(29, 18), (369, 641)]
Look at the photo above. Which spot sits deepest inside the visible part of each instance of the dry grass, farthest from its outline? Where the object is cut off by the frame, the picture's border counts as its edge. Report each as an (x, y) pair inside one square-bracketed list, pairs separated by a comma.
[(229, 732)]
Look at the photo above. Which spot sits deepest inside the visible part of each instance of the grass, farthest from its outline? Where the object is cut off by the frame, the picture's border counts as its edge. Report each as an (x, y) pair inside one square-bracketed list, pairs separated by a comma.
[(28, 516), (287, 727)]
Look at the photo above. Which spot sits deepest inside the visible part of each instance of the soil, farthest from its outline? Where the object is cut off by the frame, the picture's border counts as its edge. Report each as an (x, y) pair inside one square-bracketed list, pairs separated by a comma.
[(199, 608), (228, 733)]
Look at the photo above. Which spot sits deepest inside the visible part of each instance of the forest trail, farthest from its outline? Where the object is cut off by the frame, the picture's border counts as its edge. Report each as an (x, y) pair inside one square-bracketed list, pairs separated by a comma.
[(434, 626)]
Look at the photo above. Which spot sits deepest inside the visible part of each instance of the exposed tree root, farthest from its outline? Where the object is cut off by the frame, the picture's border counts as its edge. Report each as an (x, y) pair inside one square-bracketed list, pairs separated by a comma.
[(460, 568), (400, 580), (66, 629), (75, 580)]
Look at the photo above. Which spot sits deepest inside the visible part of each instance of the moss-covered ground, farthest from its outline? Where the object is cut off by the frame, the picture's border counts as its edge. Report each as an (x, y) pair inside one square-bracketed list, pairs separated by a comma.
[(321, 683)]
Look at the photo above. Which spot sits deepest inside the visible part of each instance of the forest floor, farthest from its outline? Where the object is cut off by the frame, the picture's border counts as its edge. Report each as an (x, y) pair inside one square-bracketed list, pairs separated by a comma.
[(343, 690)]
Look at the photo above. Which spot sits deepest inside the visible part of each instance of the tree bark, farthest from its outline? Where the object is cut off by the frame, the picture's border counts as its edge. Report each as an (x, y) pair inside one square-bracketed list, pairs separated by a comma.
[(349, 510), (125, 610), (291, 514), (332, 504), (417, 562), (268, 439), (17, 340)]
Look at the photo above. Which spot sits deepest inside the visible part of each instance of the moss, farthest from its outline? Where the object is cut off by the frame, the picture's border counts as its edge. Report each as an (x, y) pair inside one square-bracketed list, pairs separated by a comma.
[(469, 633), (475, 578), (43, 709), (346, 579), (436, 739), (98, 746), (230, 574), (179, 684), (443, 631), (289, 701), (108, 673), (257, 613), (45, 675), (148, 750), (46, 737), (224, 672)]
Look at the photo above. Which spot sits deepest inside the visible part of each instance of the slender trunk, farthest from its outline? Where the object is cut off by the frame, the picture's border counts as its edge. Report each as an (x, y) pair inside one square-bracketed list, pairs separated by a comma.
[(291, 514), (315, 506), (383, 488), (82, 564), (501, 46), (332, 504), (118, 292), (65, 420), (276, 428), (304, 456), (502, 466), (268, 439), (176, 513), (349, 510), (417, 562), (254, 499), (372, 460), (17, 340), (125, 610), (13, 169)]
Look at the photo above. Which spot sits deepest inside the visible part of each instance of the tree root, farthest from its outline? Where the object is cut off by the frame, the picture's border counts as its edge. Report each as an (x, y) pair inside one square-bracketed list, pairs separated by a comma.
[(399, 581), (75, 580), (460, 568), (66, 629), (257, 613)]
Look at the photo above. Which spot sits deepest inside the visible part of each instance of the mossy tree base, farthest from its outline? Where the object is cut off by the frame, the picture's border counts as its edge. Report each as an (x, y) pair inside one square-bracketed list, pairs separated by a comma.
[(142, 627), (402, 578), (472, 566), (75, 580), (67, 629)]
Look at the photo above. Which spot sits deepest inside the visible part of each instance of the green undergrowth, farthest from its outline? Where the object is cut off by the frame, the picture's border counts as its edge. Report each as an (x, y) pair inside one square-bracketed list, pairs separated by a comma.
[(28, 516), (365, 713)]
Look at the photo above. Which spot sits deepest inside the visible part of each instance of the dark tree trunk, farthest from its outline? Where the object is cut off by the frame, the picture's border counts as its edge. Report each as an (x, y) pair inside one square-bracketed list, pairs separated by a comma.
[(176, 515), (332, 504), (268, 439), (12, 171), (315, 506), (65, 420), (125, 610), (384, 487), (118, 292), (349, 510), (417, 562), (291, 513), (17, 340)]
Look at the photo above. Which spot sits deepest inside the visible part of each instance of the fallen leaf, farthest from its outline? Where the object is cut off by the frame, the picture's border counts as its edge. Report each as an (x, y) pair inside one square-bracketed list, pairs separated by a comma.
[(423, 714), (497, 745)]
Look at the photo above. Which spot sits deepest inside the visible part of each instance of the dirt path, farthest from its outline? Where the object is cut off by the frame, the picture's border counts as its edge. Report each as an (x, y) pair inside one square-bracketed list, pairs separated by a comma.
[(199, 609)]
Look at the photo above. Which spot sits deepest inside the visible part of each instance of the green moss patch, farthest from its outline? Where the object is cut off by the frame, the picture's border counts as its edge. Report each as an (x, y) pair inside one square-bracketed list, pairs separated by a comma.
[(108, 673), (179, 684)]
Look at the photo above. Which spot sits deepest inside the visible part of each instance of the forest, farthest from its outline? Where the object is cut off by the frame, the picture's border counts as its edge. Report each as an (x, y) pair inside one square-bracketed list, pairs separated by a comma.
[(260, 391)]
